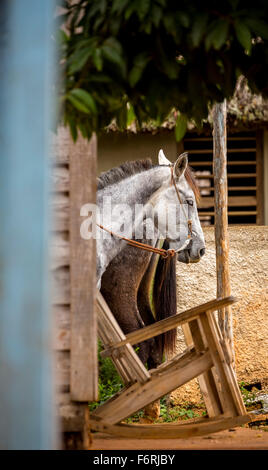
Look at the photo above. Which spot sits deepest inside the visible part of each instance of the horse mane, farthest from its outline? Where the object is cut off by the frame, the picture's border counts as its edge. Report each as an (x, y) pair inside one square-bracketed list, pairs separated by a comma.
[(127, 169)]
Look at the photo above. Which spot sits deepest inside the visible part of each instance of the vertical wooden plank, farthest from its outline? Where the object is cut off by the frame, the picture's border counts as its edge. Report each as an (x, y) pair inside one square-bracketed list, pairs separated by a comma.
[(221, 217), (206, 381), (26, 412), (260, 177), (84, 373)]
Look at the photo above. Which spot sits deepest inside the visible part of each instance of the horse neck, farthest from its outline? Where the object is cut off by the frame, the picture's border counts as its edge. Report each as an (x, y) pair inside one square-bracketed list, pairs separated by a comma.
[(137, 189)]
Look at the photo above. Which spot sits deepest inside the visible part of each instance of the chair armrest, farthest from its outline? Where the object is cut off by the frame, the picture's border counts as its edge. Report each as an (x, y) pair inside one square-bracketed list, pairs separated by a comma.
[(167, 324)]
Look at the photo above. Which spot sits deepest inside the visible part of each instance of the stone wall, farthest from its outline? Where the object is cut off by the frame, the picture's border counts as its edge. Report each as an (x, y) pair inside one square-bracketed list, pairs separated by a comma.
[(249, 282)]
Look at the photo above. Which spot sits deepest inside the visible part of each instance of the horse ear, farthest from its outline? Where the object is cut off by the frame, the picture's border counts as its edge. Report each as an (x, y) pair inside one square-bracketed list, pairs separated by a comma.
[(162, 159), (181, 164)]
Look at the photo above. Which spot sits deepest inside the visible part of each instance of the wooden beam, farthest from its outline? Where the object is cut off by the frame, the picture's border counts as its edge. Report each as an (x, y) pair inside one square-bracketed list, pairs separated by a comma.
[(169, 323), (206, 381), (233, 201), (168, 430), (84, 364), (136, 397), (221, 217)]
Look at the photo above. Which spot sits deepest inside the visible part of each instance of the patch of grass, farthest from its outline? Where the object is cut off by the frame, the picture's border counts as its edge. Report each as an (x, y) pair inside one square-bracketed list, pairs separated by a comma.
[(173, 413), (109, 380), (249, 396)]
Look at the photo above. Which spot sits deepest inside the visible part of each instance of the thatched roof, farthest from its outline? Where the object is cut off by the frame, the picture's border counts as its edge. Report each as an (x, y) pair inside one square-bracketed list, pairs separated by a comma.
[(246, 111)]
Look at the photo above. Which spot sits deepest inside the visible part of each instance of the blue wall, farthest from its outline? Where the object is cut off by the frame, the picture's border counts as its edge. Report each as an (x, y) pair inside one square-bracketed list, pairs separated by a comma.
[(26, 414)]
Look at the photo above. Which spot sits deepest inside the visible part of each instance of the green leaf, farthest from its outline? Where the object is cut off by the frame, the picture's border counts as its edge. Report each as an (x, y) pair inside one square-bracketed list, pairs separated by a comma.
[(97, 59), (199, 28), (142, 8), (77, 104), (112, 51), (140, 62), (243, 35), (184, 19), (78, 60), (221, 36), (82, 100), (119, 5), (72, 125), (181, 126), (259, 27), (156, 15), (130, 114), (86, 98), (217, 35), (61, 37)]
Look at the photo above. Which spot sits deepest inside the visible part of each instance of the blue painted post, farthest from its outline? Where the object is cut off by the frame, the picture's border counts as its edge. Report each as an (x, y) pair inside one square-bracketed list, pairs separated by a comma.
[(26, 412)]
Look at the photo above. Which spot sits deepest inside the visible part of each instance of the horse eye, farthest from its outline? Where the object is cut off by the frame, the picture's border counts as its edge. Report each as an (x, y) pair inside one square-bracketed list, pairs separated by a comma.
[(190, 202)]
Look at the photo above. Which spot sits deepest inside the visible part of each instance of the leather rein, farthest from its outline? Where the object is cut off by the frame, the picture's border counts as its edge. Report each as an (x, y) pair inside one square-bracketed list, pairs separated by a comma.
[(160, 251)]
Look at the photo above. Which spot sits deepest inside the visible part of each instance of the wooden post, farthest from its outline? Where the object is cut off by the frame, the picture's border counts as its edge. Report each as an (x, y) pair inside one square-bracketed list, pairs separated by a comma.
[(84, 364), (221, 218)]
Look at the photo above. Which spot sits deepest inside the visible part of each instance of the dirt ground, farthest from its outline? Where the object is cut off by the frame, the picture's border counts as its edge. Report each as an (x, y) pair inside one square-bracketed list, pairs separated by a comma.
[(241, 438)]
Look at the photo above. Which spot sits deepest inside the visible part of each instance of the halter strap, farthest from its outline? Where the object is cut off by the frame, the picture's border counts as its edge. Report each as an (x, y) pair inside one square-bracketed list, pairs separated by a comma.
[(189, 221)]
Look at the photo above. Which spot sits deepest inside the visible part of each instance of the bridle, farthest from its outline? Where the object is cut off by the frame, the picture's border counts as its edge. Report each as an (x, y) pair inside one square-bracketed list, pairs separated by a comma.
[(161, 251)]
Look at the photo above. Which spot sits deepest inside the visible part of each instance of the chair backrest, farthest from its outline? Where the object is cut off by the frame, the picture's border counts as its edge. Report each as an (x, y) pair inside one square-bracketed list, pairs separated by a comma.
[(125, 359)]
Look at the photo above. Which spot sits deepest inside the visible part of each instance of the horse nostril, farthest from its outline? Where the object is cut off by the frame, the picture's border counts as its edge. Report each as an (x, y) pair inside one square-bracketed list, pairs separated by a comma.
[(202, 252)]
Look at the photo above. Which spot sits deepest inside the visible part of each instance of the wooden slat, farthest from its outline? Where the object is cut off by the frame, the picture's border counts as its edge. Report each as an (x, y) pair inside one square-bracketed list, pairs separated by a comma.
[(236, 163), (220, 341), (230, 175), (61, 327), (206, 381), (60, 286), (206, 151), (168, 430), (169, 323), (61, 366), (136, 397), (231, 403), (229, 213), (59, 250), (71, 415), (59, 146), (60, 179), (207, 201), (260, 179), (231, 188), (209, 139), (84, 363), (60, 212), (126, 361)]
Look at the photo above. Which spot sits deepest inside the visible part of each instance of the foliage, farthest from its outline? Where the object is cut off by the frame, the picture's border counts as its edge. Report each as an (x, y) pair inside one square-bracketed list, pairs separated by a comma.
[(139, 59), (249, 396), (109, 380), (169, 414)]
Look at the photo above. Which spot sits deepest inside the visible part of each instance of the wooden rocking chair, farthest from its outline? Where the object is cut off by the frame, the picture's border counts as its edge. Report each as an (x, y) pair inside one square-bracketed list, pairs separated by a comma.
[(206, 357)]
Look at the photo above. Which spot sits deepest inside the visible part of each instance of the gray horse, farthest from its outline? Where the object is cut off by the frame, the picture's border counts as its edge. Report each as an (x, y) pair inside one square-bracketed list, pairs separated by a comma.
[(146, 193), (140, 288)]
